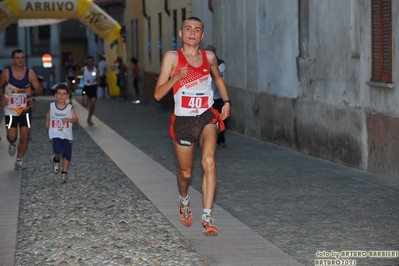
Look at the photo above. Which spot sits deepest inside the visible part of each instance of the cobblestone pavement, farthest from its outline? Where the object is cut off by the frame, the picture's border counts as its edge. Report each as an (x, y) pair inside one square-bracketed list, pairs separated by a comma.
[(101, 218), (300, 204)]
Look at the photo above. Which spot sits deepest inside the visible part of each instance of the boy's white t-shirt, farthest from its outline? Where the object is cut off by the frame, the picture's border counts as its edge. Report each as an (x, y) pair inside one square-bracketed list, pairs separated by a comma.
[(57, 128)]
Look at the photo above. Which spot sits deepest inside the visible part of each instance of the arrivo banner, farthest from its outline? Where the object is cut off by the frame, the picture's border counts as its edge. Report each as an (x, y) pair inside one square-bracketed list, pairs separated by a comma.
[(87, 12)]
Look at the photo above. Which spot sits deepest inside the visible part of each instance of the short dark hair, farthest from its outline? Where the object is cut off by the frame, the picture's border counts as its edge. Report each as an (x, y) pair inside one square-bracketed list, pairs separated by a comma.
[(89, 57), (195, 19), (210, 48), (16, 51), (62, 86), (134, 60)]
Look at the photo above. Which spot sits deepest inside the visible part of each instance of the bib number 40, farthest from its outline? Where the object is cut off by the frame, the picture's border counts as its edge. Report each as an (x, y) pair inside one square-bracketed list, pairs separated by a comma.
[(195, 102)]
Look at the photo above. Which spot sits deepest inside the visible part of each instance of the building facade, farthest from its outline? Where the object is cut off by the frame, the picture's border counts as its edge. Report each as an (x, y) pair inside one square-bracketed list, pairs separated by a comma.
[(302, 74)]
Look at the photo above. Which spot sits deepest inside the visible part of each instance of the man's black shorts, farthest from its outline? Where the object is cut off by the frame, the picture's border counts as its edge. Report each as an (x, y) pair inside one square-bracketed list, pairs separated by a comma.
[(90, 91), (22, 120)]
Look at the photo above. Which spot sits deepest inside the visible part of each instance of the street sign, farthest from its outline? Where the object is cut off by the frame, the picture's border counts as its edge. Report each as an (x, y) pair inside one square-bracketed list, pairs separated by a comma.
[(47, 61)]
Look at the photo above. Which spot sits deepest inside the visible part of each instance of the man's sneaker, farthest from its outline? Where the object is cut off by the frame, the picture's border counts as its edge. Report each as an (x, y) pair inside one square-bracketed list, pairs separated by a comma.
[(64, 178), (12, 149), (56, 165), (210, 228), (185, 215), (89, 122), (136, 102), (19, 165)]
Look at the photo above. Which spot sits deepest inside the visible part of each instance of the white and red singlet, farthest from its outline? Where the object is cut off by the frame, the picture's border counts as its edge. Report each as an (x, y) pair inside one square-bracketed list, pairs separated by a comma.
[(193, 95)]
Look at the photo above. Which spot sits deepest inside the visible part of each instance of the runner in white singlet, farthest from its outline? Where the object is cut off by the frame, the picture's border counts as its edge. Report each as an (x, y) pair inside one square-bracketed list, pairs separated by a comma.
[(194, 120)]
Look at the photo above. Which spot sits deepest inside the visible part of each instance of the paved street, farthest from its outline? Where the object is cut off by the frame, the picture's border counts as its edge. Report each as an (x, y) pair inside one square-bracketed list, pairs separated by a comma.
[(273, 206)]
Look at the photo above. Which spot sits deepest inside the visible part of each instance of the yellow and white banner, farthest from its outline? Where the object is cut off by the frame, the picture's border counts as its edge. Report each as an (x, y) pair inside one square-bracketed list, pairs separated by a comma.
[(48, 9), (85, 11), (7, 13)]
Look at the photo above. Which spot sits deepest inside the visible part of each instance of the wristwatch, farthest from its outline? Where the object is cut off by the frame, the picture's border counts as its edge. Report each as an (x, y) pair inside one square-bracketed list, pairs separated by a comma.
[(228, 101)]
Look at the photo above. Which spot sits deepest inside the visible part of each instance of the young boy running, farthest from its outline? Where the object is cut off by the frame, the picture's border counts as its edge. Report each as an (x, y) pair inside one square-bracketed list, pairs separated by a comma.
[(59, 119)]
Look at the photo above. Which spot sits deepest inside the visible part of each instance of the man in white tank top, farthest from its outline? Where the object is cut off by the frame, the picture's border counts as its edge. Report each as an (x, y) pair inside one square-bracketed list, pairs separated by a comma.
[(91, 78), (187, 71)]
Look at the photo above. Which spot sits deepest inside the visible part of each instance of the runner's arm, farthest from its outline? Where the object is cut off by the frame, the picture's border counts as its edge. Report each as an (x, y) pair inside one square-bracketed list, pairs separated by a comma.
[(98, 76), (48, 118), (79, 72), (217, 77), (37, 88), (73, 119), (165, 82), (3, 81)]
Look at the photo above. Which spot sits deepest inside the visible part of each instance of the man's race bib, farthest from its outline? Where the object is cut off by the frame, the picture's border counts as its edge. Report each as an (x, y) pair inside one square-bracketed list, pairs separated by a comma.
[(18, 100), (195, 101)]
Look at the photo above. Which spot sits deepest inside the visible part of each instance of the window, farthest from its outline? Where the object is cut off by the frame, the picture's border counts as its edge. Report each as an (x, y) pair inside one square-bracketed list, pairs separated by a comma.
[(149, 38), (135, 38), (44, 32), (11, 38), (183, 14), (175, 30), (160, 36), (183, 18), (381, 41), (39, 40)]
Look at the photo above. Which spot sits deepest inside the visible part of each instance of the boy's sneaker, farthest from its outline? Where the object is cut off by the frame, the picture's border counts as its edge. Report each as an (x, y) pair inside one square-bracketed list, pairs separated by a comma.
[(185, 215), (19, 165), (89, 122), (12, 149), (64, 178), (56, 166), (210, 228)]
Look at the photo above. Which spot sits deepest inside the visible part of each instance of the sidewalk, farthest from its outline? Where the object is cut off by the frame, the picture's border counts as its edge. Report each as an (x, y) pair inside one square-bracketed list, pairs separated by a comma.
[(273, 205)]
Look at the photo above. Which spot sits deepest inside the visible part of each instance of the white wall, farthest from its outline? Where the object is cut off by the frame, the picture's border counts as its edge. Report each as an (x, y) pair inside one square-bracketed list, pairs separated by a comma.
[(259, 43)]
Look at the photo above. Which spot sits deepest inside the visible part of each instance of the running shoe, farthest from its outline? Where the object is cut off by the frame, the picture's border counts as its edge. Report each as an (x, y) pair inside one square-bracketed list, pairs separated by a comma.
[(136, 102), (19, 165), (64, 178), (89, 122), (185, 215), (12, 149), (210, 228), (56, 166)]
